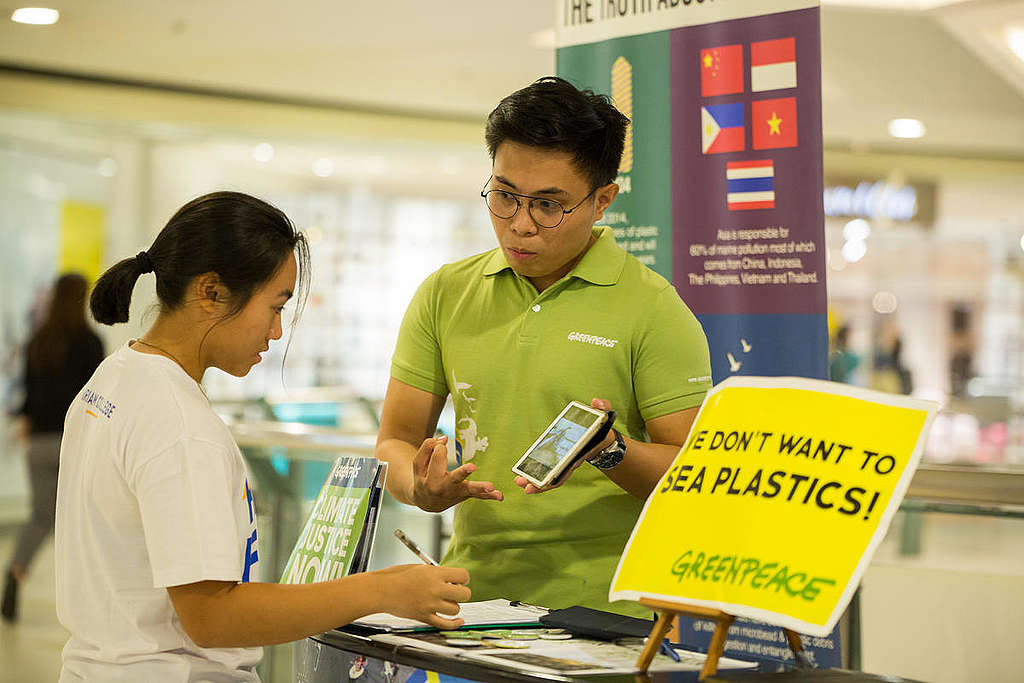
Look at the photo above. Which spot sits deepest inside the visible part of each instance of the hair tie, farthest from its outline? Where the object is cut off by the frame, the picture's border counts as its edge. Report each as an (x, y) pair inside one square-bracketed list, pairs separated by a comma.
[(144, 262)]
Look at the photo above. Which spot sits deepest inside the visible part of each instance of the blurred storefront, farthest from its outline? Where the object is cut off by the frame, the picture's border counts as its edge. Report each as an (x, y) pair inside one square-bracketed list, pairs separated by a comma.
[(927, 251)]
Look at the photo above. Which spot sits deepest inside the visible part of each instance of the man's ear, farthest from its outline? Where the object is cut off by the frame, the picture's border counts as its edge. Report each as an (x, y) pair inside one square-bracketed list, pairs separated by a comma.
[(210, 292), (604, 197)]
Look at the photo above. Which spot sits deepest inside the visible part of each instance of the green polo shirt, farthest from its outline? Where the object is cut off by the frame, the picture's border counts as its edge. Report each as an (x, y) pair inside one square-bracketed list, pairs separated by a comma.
[(512, 359)]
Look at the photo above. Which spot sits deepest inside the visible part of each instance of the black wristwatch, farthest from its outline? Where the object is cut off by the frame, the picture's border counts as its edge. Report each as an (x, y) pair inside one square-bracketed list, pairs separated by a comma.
[(612, 455)]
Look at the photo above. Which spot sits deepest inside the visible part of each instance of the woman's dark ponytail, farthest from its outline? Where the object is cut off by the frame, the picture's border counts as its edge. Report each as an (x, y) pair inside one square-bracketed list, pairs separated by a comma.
[(242, 239), (112, 296)]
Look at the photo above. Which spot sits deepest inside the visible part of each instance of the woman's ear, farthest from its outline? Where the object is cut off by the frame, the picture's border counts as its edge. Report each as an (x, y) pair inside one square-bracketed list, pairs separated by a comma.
[(210, 293)]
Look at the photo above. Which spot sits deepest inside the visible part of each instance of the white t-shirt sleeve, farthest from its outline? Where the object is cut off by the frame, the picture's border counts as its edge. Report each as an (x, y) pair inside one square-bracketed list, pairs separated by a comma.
[(187, 500)]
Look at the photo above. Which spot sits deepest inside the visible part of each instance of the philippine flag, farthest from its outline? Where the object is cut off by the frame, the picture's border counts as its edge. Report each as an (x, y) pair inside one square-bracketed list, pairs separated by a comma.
[(751, 184), (773, 64), (722, 128)]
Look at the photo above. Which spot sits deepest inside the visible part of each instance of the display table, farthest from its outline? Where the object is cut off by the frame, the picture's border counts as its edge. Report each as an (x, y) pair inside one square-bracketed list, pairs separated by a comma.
[(330, 658)]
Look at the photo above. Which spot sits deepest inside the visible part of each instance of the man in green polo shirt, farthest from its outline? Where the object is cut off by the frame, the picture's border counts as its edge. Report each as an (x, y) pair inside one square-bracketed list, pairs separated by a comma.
[(557, 312)]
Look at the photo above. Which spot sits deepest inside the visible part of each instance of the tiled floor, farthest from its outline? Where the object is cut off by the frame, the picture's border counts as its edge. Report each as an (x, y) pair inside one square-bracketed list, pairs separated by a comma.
[(30, 649)]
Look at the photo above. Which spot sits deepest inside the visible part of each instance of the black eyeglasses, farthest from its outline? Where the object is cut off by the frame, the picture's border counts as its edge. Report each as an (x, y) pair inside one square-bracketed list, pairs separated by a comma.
[(546, 213)]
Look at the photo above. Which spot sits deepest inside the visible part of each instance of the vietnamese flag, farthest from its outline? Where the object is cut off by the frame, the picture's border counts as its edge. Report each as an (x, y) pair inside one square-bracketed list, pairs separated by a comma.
[(721, 70), (774, 123)]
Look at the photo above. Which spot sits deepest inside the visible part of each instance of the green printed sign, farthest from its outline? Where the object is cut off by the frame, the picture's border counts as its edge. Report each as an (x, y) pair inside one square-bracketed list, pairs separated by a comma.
[(338, 535), (634, 72)]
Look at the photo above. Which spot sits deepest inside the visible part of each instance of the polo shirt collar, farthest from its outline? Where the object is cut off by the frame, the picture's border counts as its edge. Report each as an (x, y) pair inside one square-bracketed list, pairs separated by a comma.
[(601, 265), (603, 262), (496, 263)]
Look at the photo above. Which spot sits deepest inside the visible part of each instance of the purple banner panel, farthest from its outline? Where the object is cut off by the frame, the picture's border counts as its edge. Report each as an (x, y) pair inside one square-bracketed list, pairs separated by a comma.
[(748, 223)]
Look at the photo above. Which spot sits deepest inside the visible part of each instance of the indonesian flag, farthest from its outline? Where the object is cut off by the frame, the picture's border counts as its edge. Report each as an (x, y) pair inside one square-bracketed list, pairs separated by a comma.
[(773, 65)]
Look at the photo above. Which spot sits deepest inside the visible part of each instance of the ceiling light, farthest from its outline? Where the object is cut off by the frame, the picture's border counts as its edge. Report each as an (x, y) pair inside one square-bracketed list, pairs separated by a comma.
[(1015, 39), (323, 167), (42, 16), (854, 250), (857, 229), (263, 152), (906, 128), (1022, 242), (884, 302)]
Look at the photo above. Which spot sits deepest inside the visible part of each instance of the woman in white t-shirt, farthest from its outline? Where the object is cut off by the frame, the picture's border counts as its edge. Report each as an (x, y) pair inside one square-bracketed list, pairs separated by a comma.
[(156, 539)]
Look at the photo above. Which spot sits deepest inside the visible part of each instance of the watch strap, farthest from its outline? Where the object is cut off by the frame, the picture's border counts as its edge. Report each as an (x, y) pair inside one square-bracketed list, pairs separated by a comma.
[(612, 455), (592, 443)]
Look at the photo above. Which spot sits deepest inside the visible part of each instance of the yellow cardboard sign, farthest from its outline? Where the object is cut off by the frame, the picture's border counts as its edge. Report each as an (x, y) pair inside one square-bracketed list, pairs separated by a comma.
[(777, 501)]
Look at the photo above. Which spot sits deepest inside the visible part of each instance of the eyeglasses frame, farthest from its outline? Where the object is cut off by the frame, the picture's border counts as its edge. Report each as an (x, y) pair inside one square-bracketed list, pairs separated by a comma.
[(529, 212)]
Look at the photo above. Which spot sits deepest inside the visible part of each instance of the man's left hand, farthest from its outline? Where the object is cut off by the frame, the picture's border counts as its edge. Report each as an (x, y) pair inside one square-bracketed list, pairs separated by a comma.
[(528, 488)]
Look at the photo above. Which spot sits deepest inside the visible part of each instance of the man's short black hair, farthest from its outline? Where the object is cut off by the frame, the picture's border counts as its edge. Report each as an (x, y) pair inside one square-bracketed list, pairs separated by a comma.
[(552, 113)]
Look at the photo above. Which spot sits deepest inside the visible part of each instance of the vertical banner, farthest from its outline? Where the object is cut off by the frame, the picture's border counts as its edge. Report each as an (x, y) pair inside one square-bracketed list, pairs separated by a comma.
[(82, 238), (634, 71), (721, 187)]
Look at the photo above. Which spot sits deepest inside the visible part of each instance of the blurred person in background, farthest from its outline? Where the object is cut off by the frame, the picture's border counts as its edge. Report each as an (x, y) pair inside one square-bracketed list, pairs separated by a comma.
[(961, 351), (890, 374), (60, 356), (842, 361)]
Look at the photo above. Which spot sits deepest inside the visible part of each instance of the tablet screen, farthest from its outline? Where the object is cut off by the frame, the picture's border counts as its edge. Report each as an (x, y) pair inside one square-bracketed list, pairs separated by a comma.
[(557, 442)]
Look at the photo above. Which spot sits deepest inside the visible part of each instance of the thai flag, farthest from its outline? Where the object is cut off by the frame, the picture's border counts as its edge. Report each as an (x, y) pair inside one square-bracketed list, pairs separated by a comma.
[(773, 64), (751, 184), (722, 128)]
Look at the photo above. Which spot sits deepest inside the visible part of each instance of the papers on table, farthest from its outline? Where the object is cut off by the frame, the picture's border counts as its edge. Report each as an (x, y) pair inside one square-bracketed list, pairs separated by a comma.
[(485, 613), (575, 656)]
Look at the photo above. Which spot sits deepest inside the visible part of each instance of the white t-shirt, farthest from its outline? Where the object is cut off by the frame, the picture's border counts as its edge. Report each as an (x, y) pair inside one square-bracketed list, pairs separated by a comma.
[(152, 493)]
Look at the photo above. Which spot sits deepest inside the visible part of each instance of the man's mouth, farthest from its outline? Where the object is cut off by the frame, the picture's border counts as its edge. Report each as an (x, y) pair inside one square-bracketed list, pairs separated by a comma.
[(520, 253)]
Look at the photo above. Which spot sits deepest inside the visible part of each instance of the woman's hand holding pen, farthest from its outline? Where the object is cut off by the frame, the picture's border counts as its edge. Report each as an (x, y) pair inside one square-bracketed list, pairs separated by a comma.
[(425, 593), (435, 488)]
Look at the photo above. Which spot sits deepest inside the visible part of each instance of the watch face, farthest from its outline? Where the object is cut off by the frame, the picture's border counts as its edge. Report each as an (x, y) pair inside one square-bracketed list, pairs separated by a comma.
[(611, 456)]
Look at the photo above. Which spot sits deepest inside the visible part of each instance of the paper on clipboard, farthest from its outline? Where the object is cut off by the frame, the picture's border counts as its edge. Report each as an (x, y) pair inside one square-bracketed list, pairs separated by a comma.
[(497, 612)]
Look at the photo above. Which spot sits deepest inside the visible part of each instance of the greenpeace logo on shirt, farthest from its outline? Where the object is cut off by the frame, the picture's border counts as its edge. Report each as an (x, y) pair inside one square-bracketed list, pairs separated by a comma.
[(593, 339)]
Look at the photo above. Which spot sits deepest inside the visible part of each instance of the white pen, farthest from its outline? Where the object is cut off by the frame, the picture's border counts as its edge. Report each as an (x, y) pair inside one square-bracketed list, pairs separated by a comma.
[(408, 542)]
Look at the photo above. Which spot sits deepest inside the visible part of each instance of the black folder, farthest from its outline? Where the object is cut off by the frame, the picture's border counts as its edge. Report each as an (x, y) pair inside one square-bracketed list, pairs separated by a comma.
[(594, 623)]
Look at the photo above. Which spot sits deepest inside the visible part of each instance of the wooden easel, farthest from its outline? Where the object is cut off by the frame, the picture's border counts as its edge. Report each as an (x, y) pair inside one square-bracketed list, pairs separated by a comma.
[(667, 611)]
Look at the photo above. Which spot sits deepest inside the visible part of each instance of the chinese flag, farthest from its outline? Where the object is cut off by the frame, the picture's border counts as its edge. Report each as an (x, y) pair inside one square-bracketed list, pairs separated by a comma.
[(774, 123), (721, 70)]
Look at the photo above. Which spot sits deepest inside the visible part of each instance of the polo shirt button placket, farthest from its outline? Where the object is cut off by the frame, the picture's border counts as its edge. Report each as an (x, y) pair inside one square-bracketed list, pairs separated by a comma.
[(527, 328)]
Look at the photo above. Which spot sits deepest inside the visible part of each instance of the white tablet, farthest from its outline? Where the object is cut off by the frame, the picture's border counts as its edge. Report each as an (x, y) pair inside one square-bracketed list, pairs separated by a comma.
[(560, 445)]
